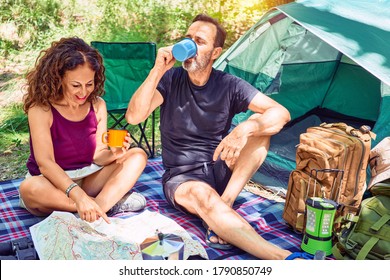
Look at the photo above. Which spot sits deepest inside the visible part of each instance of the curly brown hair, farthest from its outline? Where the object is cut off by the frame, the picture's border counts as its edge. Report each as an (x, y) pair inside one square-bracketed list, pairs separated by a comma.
[(44, 81)]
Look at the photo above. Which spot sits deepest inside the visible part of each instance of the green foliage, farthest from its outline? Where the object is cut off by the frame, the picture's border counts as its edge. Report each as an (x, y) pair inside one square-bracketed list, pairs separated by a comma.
[(6, 47), (139, 20), (35, 20), (14, 135), (13, 119), (35, 23), (28, 26)]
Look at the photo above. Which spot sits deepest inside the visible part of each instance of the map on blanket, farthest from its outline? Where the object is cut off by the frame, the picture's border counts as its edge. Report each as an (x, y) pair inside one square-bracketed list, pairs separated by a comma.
[(63, 236)]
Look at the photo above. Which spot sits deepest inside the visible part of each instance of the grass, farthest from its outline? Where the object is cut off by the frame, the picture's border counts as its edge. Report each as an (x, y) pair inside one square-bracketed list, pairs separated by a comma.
[(14, 144)]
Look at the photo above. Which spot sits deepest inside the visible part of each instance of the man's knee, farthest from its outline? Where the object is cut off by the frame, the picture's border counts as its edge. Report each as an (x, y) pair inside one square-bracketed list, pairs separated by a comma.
[(254, 153), (259, 142), (203, 196)]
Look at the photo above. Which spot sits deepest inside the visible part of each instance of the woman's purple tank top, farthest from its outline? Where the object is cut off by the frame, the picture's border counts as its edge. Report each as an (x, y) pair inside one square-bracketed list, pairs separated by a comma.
[(74, 143)]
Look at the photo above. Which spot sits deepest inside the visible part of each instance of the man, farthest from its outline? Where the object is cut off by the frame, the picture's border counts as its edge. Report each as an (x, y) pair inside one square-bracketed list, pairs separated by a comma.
[(206, 165)]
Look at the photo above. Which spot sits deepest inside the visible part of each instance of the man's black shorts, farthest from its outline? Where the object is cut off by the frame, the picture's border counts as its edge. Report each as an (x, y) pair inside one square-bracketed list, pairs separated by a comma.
[(217, 174)]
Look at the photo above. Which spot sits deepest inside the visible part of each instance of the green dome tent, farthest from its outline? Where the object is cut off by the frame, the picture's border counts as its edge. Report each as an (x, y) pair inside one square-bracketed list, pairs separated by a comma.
[(324, 61)]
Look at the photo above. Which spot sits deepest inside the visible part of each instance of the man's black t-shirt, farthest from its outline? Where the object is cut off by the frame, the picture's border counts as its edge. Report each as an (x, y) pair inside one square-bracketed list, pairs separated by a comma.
[(193, 119)]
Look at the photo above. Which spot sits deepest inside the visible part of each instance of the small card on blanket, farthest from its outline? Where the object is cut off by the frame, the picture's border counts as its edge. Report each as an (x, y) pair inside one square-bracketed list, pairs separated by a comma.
[(63, 236)]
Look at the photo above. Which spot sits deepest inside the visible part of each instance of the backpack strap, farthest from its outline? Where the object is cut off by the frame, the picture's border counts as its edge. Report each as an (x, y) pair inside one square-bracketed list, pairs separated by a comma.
[(342, 223), (342, 226), (380, 223), (337, 253), (301, 207), (364, 133), (373, 240), (367, 248)]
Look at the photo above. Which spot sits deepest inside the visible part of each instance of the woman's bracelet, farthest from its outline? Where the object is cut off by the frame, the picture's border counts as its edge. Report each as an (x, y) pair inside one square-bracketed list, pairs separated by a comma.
[(71, 186)]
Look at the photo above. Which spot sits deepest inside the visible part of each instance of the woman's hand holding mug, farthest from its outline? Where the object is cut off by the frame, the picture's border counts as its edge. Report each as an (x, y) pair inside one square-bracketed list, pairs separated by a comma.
[(118, 140)]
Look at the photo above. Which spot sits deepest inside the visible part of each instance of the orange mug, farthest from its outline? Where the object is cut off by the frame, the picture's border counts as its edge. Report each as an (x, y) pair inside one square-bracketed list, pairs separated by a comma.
[(114, 137)]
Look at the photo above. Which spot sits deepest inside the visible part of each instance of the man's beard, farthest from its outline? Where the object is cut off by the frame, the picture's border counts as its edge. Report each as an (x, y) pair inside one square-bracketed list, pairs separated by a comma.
[(197, 63)]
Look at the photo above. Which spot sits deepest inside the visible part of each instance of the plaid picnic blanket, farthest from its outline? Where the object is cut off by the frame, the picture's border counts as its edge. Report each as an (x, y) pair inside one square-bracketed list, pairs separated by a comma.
[(264, 215)]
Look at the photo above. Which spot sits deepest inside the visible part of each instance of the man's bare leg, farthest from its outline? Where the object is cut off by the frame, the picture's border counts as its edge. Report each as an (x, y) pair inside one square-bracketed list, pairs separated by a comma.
[(200, 199), (249, 161)]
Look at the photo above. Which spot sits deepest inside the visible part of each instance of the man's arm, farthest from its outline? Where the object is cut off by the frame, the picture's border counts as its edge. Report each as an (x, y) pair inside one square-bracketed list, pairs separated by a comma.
[(147, 98), (269, 119)]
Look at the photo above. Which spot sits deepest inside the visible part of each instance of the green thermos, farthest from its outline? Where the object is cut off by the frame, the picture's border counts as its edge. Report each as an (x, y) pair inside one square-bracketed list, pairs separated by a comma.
[(320, 213)]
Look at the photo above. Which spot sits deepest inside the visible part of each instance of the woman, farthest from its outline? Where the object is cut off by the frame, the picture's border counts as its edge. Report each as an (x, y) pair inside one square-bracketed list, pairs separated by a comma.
[(70, 169)]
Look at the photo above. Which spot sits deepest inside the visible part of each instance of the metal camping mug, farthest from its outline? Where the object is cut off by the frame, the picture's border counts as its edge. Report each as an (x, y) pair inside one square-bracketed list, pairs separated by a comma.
[(184, 49)]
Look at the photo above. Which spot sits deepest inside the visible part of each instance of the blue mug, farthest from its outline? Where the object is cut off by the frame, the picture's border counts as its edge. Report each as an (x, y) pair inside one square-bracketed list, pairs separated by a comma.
[(184, 49)]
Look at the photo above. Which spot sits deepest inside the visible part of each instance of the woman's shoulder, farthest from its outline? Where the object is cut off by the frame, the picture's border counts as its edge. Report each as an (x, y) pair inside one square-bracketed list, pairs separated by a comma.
[(99, 101), (40, 114), (99, 104), (39, 110)]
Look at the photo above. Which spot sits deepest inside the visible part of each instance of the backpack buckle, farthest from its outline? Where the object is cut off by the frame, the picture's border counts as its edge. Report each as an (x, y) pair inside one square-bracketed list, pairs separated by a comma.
[(350, 244), (349, 217)]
